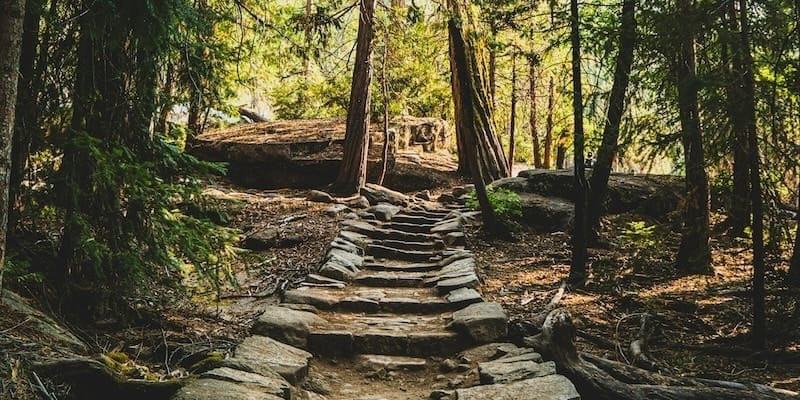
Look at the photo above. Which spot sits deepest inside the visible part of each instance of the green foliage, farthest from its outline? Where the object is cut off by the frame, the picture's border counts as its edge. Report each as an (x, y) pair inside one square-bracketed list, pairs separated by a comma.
[(506, 203), (638, 235), (19, 272)]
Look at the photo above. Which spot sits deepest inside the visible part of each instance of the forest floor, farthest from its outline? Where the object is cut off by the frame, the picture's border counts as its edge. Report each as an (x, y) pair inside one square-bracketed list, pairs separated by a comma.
[(699, 323)]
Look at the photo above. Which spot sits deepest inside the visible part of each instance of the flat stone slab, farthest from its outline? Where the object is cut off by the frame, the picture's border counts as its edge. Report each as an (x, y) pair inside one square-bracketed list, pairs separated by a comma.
[(286, 325), (490, 351), (389, 334), (502, 372), (390, 278), (384, 212), (415, 219), (382, 251), (552, 387), (465, 296), (273, 384), (483, 322), (373, 299), (391, 363), (263, 354), (212, 389)]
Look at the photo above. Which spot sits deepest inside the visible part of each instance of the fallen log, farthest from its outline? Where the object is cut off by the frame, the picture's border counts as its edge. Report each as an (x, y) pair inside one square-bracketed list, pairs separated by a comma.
[(601, 379), (252, 115)]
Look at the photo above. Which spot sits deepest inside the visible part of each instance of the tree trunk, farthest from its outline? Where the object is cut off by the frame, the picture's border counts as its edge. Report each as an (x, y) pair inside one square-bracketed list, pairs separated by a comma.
[(694, 254), (537, 151), (578, 271), (794, 266), (548, 134), (26, 116), (353, 171), (512, 126), (493, 68), (465, 61), (758, 331), (616, 108), (307, 38), (739, 213), (600, 379), (12, 14), (474, 117), (385, 95)]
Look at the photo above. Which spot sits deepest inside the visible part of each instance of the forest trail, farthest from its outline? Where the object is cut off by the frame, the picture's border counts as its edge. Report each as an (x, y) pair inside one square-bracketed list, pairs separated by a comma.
[(394, 312)]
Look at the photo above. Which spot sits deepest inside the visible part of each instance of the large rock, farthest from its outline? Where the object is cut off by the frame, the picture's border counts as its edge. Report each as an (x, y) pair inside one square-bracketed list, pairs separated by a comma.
[(212, 389), (483, 322), (553, 387), (263, 355), (272, 384), (377, 194), (286, 325), (500, 371)]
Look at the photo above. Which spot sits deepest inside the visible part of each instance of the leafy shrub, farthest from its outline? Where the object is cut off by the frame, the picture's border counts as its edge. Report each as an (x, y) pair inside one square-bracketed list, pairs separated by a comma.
[(506, 203)]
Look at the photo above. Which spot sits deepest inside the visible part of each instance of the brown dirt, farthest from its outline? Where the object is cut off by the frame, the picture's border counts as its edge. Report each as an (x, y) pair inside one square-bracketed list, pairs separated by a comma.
[(701, 322)]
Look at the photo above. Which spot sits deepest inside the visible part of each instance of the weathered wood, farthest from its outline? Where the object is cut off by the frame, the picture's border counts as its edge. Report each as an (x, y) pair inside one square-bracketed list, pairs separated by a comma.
[(252, 115), (600, 379)]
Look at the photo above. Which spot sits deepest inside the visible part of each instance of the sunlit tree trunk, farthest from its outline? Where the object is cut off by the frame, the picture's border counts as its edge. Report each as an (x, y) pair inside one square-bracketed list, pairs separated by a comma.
[(694, 254), (493, 68), (794, 267), (537, 150), (353, 171), (512, 126), (26, 120), (12, 14), (385, 96), (616, 108), (578, 272), (548, 134), (473, 112)]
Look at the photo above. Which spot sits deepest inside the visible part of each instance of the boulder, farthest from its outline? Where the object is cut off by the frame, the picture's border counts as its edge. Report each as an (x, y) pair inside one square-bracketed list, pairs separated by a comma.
[(377, 194), (384, 212), (212, 389), (286, 325), (263, 355), (501, 372), (552, 387), (272, 384), (483, 322)]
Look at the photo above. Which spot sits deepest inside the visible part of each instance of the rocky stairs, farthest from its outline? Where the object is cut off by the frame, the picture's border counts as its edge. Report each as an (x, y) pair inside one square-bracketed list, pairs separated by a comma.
[(398, 290)]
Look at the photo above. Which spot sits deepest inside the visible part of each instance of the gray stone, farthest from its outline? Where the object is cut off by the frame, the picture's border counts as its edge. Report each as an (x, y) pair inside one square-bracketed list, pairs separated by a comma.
[(377, 194), (309, 296), (212, 389), (354, 238), (345, 245), (384, 212), (273, 384), (265, 354), (319, 196), (352, 258), (335, 269), (449, 226), (359, 202), (489, 351), (459, 191), (464, 296), (446, 284), (391, 363), (483, 322), (337, 210), (455, 239), (502, 372), (286, 325), (552, 387)]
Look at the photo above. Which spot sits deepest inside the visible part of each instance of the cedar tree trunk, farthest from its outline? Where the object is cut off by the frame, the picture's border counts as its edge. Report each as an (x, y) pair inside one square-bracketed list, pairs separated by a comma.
[(353, 171), (578, 271), (537, 150)]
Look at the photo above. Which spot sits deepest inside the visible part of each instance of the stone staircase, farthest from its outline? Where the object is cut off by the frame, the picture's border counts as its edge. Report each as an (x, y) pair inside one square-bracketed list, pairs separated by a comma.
[(396, 283)]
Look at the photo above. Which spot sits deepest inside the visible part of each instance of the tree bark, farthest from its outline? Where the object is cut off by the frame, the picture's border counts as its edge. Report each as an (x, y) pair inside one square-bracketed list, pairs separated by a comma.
[(600, 379), (537, 150), (548, 134), (758, 330), (616, 108), (493, 67), (578, 272), (694, 254), (12, 15), (353, 171), (385, 95), (739, 213), (26, 115), (466, 62), (474, 116), (512, 126), (794, 266)]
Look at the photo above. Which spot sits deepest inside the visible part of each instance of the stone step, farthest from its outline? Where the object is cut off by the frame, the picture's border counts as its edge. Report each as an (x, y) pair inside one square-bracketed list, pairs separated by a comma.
[(440, 214), (412, 228), (391, 279), (386, 334), (389, 265), (552, 387), (414, 219), (431, 245), (381, 251), (379, 299)]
